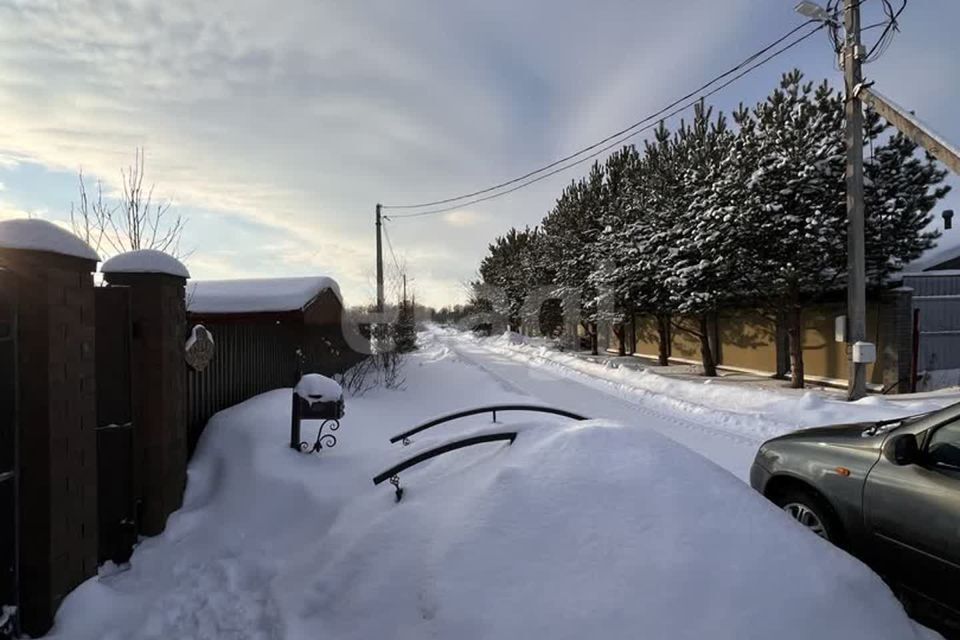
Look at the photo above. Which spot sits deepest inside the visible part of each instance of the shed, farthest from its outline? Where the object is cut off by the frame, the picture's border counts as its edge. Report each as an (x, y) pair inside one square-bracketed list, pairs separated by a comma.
[(304, 300), (266, 332)]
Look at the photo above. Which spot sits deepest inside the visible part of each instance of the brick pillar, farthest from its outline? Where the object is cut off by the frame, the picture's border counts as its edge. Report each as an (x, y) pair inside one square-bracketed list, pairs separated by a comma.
[(158, 314), (57, 421)]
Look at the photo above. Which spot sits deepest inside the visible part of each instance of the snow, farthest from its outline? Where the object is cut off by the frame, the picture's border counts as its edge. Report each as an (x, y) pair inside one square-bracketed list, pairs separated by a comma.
[(722, 422), (145, 261), (608, 528), (39, 235), (577, 530), (256, 295), (314, 387)]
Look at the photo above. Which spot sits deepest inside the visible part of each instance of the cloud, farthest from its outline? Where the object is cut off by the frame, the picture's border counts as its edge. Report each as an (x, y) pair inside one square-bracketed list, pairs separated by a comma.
[(279, 125), (8, 211), (463, 218)]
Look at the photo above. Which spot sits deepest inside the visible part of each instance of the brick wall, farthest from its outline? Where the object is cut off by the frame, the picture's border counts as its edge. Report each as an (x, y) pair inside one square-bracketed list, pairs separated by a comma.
[(58, 524), (158, 374), (748, 340)]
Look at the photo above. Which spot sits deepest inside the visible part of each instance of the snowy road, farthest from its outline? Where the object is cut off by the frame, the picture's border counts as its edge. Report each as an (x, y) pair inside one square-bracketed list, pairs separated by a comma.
[(595, 399), (724, 424)]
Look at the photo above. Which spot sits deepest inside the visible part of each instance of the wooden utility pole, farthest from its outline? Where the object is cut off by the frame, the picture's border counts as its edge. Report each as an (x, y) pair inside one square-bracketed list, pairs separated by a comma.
[(856, 259), (379, 264)]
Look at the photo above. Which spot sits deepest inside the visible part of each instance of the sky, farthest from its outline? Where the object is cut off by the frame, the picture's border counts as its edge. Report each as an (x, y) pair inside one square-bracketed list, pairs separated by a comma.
[(275, 127)]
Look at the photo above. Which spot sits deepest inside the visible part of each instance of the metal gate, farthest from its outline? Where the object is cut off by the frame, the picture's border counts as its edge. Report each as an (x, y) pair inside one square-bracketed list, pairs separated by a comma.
[(9, 597), (936, 298), (117, 489)]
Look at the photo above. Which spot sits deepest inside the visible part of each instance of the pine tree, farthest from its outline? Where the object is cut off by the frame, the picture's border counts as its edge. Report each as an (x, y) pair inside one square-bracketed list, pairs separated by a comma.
[(504, 271), (612, 275), (901, 190), (571, 231), (704, 219), (795, 201), (705, 234), (405, 330), (658, 195)]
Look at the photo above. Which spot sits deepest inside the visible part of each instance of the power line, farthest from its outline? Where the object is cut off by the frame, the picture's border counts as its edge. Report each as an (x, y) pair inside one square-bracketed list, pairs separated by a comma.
[(390, 246), (615, 143), (593, 146), (892, 26)]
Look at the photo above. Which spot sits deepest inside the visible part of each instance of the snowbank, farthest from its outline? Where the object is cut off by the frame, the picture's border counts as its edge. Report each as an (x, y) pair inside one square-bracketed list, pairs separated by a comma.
[(758, 412), (577, 530), (145, 261), (256, 295), (314, 387), (584, 530), (40, 235)]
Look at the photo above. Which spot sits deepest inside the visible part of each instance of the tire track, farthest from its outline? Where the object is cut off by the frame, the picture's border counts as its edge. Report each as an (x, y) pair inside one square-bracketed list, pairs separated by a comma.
[(661, 415)]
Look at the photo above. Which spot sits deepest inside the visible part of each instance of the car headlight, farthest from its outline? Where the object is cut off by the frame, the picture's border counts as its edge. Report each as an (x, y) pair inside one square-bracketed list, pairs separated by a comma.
[(766, 457)]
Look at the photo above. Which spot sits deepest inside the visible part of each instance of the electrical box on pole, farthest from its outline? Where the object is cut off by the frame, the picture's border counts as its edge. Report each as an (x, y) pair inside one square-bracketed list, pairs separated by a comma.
[(840, 329)]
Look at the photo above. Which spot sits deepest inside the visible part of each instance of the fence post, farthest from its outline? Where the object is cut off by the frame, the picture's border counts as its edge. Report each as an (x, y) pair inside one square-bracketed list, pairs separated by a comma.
[(57, 414), (158, 375)]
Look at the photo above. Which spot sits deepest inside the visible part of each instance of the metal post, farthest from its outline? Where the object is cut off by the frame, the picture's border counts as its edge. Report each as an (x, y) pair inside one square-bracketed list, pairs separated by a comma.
[(379, 265), (856, 284), (915, 351), (295, 423)]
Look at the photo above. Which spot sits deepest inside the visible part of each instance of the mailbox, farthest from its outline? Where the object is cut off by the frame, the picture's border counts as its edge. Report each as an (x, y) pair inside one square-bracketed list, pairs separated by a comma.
[(316, 397)]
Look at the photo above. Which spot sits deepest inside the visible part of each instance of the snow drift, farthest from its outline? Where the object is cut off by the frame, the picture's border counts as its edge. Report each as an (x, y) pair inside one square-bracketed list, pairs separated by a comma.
[(585, 530)]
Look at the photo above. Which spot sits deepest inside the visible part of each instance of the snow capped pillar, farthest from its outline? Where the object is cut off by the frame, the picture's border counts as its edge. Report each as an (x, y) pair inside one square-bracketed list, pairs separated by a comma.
[(158, 314), (53, 275)]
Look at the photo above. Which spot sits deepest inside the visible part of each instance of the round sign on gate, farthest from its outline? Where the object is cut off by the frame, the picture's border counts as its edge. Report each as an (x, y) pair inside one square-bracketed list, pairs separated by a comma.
[(200, 348)]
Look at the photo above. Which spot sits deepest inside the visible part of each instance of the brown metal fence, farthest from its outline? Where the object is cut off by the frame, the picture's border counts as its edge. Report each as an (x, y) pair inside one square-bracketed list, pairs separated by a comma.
[(249, 359), (252, 358)]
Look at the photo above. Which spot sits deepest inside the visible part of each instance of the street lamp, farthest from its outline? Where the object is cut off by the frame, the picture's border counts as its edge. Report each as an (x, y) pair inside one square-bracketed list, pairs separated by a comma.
[(814, 11)]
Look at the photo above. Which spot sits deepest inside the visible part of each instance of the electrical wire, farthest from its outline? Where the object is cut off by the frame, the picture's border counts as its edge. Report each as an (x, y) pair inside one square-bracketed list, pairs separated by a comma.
[(630, 133), (883, 42), (396, 262), (626, 130)]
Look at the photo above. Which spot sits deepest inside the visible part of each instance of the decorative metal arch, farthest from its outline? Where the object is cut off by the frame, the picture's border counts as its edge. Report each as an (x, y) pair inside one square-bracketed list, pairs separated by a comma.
[(405, 436), (391, 474)]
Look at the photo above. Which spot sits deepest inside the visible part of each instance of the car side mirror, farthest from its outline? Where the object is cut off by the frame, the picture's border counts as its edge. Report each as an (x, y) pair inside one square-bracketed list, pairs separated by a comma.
[(903, 449)]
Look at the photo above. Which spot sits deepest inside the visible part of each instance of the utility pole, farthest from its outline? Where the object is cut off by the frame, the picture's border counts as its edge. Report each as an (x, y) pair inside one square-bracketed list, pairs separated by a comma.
[(404, 289), (379, 264), (856, 261)]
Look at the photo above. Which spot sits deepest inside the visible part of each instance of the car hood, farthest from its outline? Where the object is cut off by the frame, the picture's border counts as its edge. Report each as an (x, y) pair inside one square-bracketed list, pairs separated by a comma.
[(858, 435)]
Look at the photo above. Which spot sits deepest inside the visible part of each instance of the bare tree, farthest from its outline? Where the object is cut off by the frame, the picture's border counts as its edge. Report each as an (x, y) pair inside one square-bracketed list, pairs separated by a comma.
[(89, 217), (134, 221)]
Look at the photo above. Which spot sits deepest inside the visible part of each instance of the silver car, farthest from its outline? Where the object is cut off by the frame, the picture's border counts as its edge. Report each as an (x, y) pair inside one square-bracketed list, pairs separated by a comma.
[(888, 492)]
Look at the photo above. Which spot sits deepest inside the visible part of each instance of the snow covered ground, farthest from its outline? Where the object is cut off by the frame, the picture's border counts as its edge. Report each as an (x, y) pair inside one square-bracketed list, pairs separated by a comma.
[(725, 423), (608, 528)]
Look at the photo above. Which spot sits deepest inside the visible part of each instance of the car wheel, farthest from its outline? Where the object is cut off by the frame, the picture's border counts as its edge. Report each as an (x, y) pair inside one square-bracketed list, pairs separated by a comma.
[(811, 511)]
